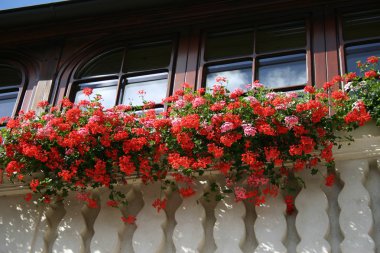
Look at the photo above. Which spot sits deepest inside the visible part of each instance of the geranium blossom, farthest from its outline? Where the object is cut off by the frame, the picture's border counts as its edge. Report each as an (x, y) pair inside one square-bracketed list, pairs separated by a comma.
[(258, 139)]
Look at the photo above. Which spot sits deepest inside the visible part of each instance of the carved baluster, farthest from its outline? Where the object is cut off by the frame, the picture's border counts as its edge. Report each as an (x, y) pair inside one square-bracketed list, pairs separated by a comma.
[(69, 238), (189, 233), (108, 225), (312, 221), (270, 226), (149, 236), (229, 228), (356, 217), (54, 215), (89, 215)]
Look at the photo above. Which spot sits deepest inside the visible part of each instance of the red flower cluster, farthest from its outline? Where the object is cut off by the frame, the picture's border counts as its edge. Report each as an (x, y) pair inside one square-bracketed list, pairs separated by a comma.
[(255, 136)]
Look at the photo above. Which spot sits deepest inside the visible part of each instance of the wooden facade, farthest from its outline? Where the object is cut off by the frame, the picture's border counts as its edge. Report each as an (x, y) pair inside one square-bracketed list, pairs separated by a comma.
[(50, 45), (51, 51)]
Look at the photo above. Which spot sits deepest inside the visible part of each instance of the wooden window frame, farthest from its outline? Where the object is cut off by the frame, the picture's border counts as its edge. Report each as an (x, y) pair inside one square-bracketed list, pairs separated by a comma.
[(19, 89), (343, 44), (255, 56), (121, 76)]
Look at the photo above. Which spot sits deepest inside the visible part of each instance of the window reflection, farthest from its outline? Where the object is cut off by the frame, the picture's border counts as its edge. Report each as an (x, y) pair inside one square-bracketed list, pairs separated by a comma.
[(229, 45), (361, 25), (154, 87), (10, 81), (107, 89), (108, 63), (287, 36), (7, 105), (147, 58), (283, 71), (360, 53), (238, 75)]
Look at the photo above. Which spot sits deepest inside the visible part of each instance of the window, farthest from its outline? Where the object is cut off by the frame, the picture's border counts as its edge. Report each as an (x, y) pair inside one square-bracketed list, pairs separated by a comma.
[(275, 54), (361, 38), (10, 85), (118, 75)]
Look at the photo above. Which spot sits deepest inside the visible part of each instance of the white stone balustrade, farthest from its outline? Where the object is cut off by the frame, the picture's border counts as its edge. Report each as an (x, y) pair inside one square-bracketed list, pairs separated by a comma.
[(197, 226)]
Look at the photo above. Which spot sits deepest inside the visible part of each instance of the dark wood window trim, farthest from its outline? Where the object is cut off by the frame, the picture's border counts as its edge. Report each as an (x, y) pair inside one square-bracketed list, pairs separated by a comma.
[(16, 90), (254, 56), (343, 44), (121, 76), (324, 47)]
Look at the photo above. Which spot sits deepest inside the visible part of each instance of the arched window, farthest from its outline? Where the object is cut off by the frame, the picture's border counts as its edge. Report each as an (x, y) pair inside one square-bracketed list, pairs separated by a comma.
[(10, 85), (119, 74)]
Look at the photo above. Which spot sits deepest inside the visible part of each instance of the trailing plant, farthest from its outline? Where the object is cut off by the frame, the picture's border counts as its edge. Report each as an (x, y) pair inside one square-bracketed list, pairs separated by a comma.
[(258, 139), (366, 87)]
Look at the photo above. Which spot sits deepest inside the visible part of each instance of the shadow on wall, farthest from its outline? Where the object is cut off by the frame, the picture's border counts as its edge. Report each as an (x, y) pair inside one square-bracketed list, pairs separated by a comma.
[(20, 225)]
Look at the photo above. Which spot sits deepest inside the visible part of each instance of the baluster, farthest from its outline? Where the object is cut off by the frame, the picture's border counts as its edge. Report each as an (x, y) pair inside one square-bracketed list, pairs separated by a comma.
[(189, 233), (89, 215), (54, 215), (356, 217), (229, 228), (270, 226), (107, 225), (312, 221), (69, 238), (149, 236)]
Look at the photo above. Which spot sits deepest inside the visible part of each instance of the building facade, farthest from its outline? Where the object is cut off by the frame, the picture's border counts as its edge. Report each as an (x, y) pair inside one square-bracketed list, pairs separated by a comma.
[(53, 51)]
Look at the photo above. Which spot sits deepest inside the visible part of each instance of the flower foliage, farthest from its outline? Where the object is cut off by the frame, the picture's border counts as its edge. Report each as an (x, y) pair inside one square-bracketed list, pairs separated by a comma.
[(366, 88), (258, 139)]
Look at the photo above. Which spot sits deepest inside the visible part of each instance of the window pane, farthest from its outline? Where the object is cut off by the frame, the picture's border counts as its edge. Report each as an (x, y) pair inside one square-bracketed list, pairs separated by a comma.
[(238, 75), (283, 71), (105, 88), (146, 58), (7, 106), (155, 88), (361, 25), (288, 36), (9, 76), (108, 63), (157, 110), (360, 53), (229, 45)]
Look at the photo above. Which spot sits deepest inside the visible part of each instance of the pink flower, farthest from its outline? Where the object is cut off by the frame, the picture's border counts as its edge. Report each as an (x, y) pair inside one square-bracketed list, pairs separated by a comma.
[(271, 95), (198, 101), (249, 130), (179, 103), (226, 127), (291, 94), (220, 79), (291, 121), (255, 85), (252, 100)]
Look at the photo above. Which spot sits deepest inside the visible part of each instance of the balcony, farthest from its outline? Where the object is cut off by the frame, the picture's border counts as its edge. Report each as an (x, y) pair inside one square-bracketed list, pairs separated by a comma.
[(343, 218)]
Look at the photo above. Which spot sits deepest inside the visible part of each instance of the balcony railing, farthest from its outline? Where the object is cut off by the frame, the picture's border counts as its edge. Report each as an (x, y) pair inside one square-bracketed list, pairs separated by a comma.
[(343, 218)]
